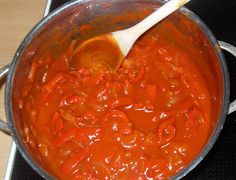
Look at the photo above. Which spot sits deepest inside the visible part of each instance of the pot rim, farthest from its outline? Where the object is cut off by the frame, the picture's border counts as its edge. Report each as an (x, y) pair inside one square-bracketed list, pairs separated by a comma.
[(226, 94), (37, 28)]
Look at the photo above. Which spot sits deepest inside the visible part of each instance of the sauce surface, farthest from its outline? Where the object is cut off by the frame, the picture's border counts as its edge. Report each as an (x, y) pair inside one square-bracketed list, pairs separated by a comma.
[(150, 119)]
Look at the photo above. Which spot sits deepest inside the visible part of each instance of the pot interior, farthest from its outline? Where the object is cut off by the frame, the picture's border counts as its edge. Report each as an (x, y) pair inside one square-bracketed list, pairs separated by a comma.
[(54, 34)]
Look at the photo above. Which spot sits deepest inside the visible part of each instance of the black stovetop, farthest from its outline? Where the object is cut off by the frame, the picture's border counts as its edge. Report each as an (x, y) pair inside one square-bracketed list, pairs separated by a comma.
[(220, 163)]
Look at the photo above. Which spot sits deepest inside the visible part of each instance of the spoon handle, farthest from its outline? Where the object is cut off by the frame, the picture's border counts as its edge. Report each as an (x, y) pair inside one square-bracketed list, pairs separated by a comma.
[(133, 33), (157, 16)]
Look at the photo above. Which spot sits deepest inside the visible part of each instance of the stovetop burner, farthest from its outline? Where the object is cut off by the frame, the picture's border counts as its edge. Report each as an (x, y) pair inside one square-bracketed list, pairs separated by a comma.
[(220, 163)]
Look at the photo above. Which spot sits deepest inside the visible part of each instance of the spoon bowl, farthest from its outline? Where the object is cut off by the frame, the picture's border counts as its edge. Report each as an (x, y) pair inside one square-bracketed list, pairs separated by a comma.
[(110, 50), (94, 54)]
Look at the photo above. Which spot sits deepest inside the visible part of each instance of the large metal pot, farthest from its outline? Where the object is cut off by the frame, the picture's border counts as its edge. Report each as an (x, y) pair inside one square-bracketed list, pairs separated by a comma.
[(68, 18)]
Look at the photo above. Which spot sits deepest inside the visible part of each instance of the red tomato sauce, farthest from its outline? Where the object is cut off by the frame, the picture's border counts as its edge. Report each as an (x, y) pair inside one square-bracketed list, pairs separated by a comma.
[(150, 119)]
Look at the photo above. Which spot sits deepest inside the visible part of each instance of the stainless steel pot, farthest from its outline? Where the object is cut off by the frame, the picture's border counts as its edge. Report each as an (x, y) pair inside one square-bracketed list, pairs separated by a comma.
[(70, 16)]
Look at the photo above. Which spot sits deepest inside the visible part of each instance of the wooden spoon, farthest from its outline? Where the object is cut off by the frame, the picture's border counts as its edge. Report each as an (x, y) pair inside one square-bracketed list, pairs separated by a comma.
[(109, 50)]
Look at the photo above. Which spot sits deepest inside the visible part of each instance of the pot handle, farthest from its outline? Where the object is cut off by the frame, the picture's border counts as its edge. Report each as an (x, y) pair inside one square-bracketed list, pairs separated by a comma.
[(3, 125), (232, 50)]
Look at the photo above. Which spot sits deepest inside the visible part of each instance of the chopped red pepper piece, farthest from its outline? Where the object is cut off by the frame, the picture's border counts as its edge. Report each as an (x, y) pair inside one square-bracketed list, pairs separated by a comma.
[(84, 135), (138, 76), (57, 122), (69, 165), (51, 84), (126, 124), (150, 91), (128, 88), (125, 101), (72, 99), (166, 130), (32, 71)]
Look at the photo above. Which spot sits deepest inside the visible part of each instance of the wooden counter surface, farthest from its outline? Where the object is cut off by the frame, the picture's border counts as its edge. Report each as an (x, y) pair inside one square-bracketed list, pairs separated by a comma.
[(17, 17)]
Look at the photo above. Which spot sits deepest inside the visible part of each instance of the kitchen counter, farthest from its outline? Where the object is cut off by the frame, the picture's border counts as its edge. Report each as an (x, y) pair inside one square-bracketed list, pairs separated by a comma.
[(16, 19)]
